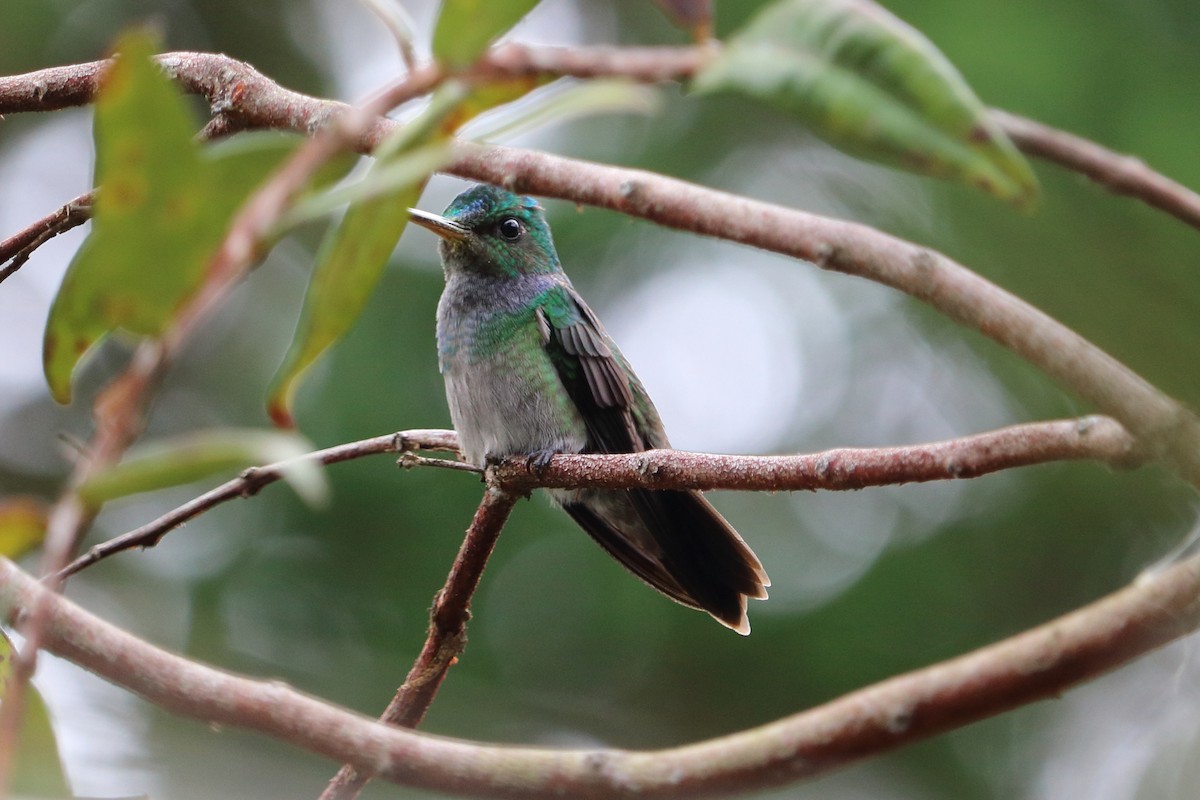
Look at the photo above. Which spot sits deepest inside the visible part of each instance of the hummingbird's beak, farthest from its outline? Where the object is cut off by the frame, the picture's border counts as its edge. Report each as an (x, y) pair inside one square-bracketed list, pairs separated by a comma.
[(445, 228)]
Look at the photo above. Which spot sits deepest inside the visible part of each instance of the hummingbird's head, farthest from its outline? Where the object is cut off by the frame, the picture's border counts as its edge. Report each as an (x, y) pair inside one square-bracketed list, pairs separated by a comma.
[(489, 231)]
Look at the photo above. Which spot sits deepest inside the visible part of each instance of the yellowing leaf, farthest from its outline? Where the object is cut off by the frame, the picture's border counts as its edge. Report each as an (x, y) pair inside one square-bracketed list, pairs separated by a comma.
[(162, 209), (22, 525)]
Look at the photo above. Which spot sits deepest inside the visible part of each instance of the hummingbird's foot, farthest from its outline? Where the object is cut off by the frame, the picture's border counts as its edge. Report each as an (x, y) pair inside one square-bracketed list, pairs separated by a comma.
[(537, 461), (490, 462)]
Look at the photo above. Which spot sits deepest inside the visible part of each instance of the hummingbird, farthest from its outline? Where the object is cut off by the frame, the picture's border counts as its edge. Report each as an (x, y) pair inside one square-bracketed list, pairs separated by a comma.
[(530, 370)]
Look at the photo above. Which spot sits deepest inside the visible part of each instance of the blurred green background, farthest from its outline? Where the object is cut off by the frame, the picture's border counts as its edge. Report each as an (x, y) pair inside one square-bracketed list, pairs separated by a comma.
[(743, 352)]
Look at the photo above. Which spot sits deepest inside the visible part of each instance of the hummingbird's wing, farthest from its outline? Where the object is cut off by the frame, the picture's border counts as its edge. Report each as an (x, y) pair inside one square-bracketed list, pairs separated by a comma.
[(673, 540), (594, 379)]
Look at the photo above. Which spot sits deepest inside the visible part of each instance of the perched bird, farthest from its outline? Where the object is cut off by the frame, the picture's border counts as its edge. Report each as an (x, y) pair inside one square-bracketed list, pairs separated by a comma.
[(530, 370)]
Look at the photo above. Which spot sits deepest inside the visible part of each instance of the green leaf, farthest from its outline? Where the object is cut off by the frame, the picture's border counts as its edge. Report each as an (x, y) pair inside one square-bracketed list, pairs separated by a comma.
[(600, 96), (394, 176), (198, 455), (874, 85), (486, 96), (349, 265), (22, 525), (37, 766), (355, 253), (353, 256), (162, 209), (465, 28)]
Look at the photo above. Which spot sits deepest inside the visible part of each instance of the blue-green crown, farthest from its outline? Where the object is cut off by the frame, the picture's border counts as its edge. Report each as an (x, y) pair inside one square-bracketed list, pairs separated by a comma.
[(482, 208)]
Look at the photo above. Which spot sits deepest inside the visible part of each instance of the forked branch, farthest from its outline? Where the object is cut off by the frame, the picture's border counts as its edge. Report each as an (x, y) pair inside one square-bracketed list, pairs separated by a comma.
[(447, 635)]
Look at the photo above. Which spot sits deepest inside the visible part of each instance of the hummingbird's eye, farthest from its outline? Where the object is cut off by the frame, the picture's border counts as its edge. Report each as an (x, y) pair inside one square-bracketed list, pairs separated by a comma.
[(511, 228)]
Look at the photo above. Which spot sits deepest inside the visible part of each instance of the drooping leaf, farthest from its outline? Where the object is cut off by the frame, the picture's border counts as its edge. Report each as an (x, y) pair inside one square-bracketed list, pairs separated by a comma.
[(162, 209), (872, 84), (37, 766), (349, 265), (149, 207), (22, 525), (465, 28), (198, 455), (354, 253)]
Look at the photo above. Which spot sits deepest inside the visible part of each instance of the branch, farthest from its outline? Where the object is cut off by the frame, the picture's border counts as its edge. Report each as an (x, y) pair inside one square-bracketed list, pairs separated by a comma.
[(447, 637), (1037, 664), (1120, 174), (1095, 438), (226, 83), (1087, 438)]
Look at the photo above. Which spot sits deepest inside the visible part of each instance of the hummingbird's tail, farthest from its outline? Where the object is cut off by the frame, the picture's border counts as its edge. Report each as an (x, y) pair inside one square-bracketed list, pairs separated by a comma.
[(677, 543)]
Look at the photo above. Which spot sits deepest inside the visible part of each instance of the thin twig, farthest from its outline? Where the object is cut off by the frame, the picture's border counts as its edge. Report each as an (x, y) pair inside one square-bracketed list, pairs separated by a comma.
[(410, 460), (1120, 174), (398, 22), (1092, 438), (251, 481), (1039, 663), (447, 635), (16, 249)]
